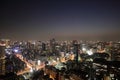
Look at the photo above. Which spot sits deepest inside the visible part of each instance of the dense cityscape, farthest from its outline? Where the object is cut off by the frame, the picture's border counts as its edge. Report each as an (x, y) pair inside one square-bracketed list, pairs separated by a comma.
[(60, 40), (59, 60)]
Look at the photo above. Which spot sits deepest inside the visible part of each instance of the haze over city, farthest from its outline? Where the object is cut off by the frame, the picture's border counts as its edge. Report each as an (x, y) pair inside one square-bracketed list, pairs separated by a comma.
[(60, 19)]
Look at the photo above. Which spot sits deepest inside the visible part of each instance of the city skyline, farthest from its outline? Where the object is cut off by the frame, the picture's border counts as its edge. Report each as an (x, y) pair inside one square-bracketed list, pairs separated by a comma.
[(60, 19)]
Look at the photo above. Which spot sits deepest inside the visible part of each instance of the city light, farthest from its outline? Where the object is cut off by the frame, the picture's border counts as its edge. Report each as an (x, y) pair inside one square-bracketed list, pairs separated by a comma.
[(39, 62), (60, 40), (89, 52), (84, 49), (31, 70), (64, 59), (7, 51), (16, 50)]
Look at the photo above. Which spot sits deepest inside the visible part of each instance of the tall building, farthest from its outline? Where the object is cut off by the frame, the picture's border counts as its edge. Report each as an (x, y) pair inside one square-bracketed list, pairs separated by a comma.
[(2, 60), (53, 44), (76, 48)]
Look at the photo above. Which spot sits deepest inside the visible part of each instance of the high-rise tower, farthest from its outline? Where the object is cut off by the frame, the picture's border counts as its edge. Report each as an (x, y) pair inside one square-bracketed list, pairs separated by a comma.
[(2, 60)]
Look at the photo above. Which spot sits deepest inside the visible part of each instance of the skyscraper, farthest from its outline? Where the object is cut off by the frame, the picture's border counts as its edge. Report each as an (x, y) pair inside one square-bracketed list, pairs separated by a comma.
[(2, 60)]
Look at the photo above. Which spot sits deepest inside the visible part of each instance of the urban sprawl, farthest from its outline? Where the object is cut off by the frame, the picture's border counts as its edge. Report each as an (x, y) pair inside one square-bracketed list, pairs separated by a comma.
[(59, 60)]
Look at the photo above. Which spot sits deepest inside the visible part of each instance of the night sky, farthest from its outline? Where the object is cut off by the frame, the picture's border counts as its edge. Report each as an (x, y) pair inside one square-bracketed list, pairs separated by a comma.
[(60, 19)]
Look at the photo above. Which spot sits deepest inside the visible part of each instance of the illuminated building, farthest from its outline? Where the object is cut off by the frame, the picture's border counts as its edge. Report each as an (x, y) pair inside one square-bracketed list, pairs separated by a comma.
[(4, 42)]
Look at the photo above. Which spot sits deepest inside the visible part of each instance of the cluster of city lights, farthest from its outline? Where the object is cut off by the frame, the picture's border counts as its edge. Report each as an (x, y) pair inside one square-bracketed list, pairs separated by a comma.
[(89, 52)]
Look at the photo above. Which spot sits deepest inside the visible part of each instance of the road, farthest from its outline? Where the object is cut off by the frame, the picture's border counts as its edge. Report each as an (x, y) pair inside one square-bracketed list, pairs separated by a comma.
[(29, 66)]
